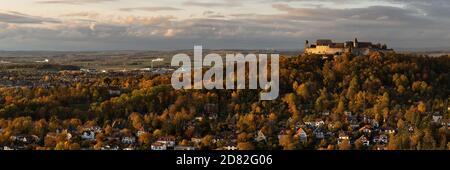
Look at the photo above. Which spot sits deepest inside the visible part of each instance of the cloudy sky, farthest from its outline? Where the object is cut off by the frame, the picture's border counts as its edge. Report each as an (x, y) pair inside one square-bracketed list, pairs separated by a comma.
[(219, 24)]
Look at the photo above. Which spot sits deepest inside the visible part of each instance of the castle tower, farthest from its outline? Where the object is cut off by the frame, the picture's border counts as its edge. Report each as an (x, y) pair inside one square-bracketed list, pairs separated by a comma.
[(306, 44), (355, 43)]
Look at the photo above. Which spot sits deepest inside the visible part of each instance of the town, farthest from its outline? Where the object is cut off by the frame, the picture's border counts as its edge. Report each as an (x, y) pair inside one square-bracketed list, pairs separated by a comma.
[(379, 100)]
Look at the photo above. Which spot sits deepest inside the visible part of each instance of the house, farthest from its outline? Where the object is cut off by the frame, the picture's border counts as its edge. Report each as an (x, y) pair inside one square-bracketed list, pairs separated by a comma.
[(169, 141), (260, 136), (437, 117), (343, 137), (184, 148), (88, 135), (365, 141), (158, 146), (318, 133), (301, 134), (367, 129), (381, 139), (128, 140)]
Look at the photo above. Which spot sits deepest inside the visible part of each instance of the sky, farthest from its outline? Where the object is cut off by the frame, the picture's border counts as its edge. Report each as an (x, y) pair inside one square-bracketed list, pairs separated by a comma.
[(86, 25)]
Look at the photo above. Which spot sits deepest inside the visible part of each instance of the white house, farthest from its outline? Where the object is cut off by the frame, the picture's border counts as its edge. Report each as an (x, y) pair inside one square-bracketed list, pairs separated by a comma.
[(260, 136), (437, 117), (128, 140), (88, 135), (158, 146), (301, 134)]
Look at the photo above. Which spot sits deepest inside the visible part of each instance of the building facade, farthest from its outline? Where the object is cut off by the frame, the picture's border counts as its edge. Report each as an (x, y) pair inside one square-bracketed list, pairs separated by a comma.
[(328, 47)]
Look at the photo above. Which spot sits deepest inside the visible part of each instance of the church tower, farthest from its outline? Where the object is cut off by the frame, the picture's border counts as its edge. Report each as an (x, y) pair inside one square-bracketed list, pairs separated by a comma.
[(306, 44)]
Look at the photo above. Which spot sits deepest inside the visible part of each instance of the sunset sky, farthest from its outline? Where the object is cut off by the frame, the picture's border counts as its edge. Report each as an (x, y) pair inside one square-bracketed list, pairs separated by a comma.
[(232, 24)]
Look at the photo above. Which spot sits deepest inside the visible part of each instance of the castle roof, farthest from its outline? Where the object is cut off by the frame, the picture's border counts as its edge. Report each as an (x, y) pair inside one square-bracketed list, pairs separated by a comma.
[(324, 42)]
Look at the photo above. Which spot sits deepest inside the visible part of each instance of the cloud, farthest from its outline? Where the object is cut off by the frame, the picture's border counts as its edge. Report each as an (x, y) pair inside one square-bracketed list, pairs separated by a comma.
[(212, 14), (20, 18), (151, 9), (82, 14), (372, 13), (408, 25), (74, 2), (211, 4)]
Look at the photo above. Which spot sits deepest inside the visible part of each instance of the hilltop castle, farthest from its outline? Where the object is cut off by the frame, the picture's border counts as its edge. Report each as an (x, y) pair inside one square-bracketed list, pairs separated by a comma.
[(328, 47)]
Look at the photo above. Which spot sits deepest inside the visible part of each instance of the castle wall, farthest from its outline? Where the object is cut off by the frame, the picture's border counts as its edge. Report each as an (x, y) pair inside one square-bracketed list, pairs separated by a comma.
[(324, 50)]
